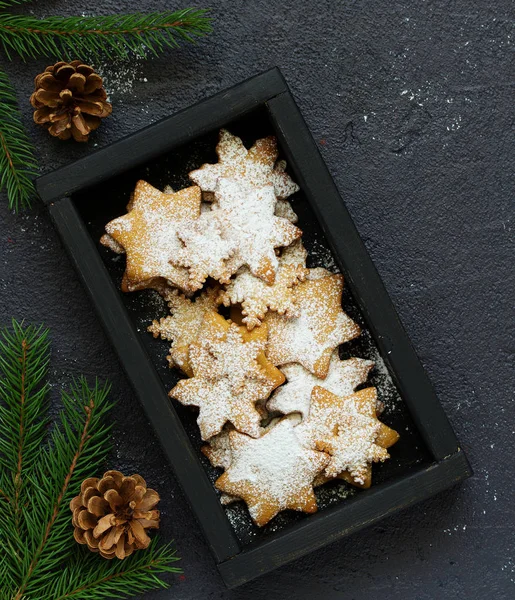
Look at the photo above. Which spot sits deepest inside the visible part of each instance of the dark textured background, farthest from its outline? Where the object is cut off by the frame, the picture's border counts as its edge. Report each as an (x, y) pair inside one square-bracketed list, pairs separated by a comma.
[(411, 103)]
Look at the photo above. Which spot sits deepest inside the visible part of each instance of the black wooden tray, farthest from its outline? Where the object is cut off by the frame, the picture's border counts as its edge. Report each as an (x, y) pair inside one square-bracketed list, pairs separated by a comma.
[(84, 196)]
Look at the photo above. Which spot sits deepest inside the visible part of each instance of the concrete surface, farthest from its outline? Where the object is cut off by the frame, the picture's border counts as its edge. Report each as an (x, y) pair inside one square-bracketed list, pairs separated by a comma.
[(412, 105)]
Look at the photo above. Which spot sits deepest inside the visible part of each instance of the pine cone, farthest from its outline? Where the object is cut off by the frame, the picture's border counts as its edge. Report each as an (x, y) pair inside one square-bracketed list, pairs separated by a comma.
[(69, 99), (111, 514)]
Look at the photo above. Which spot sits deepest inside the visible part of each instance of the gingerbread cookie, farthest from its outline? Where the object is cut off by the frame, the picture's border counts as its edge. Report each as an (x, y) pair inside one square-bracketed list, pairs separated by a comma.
[(342, 379), (248, 221), (255, 167), (349, 431), (257, 297), (272, 473), (148, 234), (204, 252), (322, 326), (227, 379), (182, 327)]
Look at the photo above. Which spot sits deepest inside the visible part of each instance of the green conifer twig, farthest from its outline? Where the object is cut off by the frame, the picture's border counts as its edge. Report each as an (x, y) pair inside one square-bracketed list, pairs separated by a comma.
[(40, 473), (117, 35), (72, 38), (18, 164)]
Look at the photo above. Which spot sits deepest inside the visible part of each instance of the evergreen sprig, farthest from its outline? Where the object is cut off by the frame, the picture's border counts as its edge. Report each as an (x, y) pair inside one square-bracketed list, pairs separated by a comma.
[(41, 471), (71, 38), (116, 35), (18, 164)]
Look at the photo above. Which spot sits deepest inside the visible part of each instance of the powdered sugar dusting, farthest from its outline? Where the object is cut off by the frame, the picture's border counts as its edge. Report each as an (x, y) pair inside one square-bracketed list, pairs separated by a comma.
[(148, 233), (182, 327), (205, 252), (228, 380)]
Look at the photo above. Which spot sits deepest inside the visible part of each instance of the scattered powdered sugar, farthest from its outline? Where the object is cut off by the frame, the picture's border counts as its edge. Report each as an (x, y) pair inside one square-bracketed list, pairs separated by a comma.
[(321, 256), (343, 378), (384, 382), (327, 495), (120, 74)]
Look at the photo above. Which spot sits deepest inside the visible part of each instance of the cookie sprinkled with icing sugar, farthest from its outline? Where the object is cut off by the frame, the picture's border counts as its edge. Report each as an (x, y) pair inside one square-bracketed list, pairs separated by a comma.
[(228, 379), (272, 473), (248, 220), (148, 233), (257, 297), (346, 428), (321, 327), (182, 327), (255, 167), (205, 252)]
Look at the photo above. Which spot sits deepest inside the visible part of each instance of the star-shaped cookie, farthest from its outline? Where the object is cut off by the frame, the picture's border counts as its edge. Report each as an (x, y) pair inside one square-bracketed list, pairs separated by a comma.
[(182, 327), (204, 252), (148, 234), (322, 326), (255, 167), (272, 473), (342, 379), (228, 378), (257, 297), (348, 429), (248, 221)]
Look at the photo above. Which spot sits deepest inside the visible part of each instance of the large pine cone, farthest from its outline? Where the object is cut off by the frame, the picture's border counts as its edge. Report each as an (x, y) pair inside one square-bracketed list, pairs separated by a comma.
[(69, 99), (111, 514)]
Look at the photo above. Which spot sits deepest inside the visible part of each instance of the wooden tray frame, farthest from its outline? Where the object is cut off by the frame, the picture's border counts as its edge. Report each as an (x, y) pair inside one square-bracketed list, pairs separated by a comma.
[(449, 466)]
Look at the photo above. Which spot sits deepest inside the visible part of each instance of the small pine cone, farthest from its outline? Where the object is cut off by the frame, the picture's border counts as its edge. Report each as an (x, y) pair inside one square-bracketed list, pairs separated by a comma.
[(111, 514), (69, 100)]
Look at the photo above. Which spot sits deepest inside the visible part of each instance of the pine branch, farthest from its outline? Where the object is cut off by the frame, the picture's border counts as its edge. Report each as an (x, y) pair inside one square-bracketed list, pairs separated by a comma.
[(17, 162), (39, 557), (85, 579), (77, 446), (110, 36), (24, 355)]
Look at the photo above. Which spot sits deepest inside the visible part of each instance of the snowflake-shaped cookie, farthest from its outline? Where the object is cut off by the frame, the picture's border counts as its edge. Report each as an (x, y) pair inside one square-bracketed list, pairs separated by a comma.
[(248, 221), (182, 327), (228, 378), (218, 452), (272, 473), (311, 338), (348, 429), (257, 297), (148, 234), (255, 167), (342, 379), (204, 253)]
